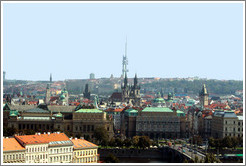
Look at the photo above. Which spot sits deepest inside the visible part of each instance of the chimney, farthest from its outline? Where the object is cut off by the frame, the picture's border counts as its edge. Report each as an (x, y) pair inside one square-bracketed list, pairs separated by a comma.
[(75, 138), (48, 133), (38, 133), (58, 132), (44, 132)]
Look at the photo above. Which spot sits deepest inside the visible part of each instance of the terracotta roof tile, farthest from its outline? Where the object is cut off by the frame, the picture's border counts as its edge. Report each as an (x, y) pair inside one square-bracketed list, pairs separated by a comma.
[(42, 138), (10, 144), (81, 143)]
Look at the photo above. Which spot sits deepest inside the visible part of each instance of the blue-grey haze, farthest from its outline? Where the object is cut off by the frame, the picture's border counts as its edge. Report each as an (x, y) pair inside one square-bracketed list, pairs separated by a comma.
[(164, 40)]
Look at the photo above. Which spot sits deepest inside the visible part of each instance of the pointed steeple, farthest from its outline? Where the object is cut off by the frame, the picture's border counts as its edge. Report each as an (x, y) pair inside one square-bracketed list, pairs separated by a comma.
[(50, 77), (135, 80)]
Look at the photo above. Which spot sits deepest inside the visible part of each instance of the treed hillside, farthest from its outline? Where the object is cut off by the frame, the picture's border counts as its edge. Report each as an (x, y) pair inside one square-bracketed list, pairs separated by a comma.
[(193, 87)]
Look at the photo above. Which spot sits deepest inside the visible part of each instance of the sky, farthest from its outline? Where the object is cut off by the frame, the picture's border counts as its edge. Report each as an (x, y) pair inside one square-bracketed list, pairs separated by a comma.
[(164, 40)]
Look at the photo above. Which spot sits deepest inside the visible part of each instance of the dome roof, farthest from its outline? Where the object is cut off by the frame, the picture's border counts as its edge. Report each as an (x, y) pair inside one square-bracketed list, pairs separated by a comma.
[(62, 97), (159, 100)]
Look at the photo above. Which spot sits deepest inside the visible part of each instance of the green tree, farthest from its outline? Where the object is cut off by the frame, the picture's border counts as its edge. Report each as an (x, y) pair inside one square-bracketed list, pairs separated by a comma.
[(111, 159), (111, 142), (118, 142), (196, 159), (227, 142), (234, 141), (29, 132), (9, 131), (141, 141), (101, 135), (127, 142), (210, 158)]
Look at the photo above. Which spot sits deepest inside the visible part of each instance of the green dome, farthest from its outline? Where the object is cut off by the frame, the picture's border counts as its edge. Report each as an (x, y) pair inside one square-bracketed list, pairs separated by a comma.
[(59, 115), (62, 97), (159, 100)]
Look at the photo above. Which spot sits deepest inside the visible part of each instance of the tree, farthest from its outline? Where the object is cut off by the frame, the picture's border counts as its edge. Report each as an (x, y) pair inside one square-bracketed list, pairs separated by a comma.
[(227, 142), (118, 142), (196, 159), (127, 142), (9, 131), (141, 141), (234, 141), (112, 142), (101, 136), (210, 158), (111, 159)]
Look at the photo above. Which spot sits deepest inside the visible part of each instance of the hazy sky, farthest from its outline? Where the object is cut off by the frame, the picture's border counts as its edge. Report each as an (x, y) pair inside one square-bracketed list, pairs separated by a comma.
[(164, 40)]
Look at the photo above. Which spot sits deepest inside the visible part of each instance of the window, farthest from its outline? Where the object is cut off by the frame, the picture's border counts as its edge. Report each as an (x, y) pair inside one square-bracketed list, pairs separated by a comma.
[(238, 123), (226, 129), (238, 129), (225, 122)]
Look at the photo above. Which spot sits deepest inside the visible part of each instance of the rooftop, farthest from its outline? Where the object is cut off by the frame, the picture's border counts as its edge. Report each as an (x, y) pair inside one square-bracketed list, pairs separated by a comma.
[(89, 111), (81, 143), (157, 109), (43, 138), (11, 144)]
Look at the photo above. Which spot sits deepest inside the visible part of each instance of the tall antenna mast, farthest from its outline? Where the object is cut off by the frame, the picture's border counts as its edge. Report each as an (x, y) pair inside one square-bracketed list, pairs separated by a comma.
[(125, 61)]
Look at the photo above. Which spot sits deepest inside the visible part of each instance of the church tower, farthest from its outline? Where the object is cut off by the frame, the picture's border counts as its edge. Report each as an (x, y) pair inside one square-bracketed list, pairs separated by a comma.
[(47, 95), (203, 96), (87, 93)]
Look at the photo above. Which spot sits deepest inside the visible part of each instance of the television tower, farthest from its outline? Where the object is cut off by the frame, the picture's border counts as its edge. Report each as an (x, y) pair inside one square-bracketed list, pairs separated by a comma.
[(125, 61)]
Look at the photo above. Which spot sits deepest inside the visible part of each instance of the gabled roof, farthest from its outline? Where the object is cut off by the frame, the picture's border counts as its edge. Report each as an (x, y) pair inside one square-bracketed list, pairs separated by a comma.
[(11, 144), (82, 144)]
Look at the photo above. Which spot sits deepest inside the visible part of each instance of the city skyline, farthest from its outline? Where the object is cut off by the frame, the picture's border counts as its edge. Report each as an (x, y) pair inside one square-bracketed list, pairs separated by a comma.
[(73, 40)]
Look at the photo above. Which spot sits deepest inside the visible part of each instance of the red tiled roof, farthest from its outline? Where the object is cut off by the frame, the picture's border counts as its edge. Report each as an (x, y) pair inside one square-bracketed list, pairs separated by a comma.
[(81, 143), (10, 144), (42, 138)]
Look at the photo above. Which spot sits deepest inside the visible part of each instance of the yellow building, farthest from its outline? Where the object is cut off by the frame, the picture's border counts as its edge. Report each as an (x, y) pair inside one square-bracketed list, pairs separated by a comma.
[(13, 152), (84, 151)]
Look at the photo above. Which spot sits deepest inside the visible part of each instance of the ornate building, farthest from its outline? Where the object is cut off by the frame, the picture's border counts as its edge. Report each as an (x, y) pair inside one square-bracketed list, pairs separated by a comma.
[(203, 96), (131, 93)]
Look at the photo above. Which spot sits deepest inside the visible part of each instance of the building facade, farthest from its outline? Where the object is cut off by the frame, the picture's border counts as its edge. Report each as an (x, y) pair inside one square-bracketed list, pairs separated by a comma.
[(226, 123), (84, 151)]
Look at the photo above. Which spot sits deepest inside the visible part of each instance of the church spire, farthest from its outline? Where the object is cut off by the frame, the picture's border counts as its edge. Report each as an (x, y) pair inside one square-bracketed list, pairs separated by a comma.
[(135, 80), (50, 77)]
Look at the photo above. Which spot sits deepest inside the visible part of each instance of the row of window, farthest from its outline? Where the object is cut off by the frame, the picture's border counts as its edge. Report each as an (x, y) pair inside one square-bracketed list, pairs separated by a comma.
[(234, 129), (36, 149), (230, 134), (13, 156), (86, 160), (37, 157), (85, 128), (85, 153), (61, 150), (60, 158), (234, 122)]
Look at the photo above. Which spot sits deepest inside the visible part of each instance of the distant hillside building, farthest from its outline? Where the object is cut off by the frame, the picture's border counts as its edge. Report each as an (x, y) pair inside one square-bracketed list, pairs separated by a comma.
[(203, 96), (92, 76)]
